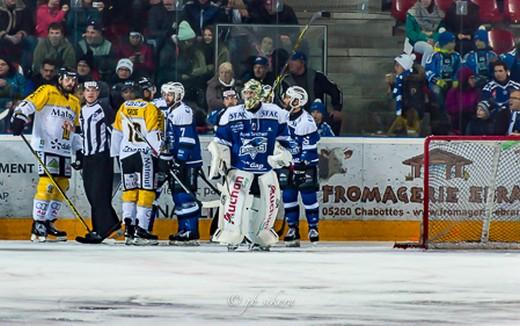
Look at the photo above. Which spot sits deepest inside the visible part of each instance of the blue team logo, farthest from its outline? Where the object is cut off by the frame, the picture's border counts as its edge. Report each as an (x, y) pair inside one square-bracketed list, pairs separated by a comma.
[(253, 147)]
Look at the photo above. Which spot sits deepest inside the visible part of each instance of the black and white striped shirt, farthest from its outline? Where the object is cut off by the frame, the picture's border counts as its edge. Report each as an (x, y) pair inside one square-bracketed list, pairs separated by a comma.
[(95, 121)]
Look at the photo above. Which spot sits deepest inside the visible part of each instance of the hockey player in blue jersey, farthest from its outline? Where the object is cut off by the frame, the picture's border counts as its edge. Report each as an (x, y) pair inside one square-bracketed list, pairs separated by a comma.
[(252, 139), (302, 177), (182, 157)]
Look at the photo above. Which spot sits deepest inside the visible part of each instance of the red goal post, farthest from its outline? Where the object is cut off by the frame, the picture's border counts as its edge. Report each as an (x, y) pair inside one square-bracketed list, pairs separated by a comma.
[(471, 193)]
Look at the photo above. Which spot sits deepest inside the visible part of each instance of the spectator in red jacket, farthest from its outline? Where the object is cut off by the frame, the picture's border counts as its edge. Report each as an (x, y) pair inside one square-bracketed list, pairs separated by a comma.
[(48, 13), (139, 53)]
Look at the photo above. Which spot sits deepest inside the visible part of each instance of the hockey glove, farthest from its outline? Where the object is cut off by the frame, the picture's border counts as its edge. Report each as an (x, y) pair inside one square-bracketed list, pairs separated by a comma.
[(17, 126), (165, 163), (441, 83), (78, 162)]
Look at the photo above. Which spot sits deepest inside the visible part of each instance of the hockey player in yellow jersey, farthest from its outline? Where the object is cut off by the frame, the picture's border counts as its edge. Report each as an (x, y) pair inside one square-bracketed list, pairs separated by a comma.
[(56, 116), (136, 140)]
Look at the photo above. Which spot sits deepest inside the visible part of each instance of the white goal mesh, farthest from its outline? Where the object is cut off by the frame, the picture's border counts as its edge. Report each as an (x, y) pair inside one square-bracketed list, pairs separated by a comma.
[(473, 192)]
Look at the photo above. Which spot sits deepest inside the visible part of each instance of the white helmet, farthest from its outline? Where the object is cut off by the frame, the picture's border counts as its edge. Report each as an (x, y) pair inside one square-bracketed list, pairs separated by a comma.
[(174, 88), (267, 93), (297, 95)]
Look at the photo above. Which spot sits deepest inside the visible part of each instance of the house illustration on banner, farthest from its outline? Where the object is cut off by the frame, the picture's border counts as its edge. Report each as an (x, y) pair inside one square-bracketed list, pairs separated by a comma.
[(455, 164)]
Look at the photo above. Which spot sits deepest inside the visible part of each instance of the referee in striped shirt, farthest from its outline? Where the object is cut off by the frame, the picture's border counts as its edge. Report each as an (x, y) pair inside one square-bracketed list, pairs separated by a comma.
[(95, 120)]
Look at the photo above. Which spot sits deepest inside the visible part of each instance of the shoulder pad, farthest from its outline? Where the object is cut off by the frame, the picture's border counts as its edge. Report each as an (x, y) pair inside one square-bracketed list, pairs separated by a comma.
[(306, 125)]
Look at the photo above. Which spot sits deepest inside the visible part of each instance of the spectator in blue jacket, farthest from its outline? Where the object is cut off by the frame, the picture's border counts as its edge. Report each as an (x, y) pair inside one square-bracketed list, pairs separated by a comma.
[(318, 111), (403, 68), (480, 60), (442, 66)]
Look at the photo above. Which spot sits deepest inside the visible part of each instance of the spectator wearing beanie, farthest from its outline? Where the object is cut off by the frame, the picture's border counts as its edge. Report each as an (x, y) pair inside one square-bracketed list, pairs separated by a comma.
[(480, 60), (463, 26), (480, 124), (191, 64), (402, 69), (319, 112), (461, 101), (442, 67), (124, 71), (123, 74)]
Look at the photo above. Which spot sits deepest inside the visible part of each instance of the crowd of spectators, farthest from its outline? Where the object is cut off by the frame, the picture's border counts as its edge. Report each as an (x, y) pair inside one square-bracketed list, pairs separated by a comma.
[(460, 85), (117, 41)]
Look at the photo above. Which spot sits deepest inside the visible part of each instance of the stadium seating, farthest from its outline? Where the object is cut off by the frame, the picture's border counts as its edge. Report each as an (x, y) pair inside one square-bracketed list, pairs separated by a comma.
[(512, 10), (489, 12), (400, 7), (501, 40), (443, 4)]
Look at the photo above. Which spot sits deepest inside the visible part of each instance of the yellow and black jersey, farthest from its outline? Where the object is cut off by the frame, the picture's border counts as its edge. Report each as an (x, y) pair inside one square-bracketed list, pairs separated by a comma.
[(138, 125), (56, 117)]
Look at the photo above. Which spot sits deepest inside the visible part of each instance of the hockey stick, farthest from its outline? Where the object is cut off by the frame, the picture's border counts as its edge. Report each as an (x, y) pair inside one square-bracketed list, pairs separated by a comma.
[(55, 184), (295, 48)]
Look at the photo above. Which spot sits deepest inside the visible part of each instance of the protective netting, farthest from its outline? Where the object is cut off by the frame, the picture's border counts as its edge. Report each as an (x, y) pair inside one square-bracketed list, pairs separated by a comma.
[(474, 193)]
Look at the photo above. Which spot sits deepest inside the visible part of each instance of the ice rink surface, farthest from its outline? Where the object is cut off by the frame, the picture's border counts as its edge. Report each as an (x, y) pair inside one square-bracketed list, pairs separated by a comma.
[(328, 284)]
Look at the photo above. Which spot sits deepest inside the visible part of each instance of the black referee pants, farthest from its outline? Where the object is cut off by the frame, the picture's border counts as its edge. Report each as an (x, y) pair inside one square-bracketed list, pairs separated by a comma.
[(97, 180)]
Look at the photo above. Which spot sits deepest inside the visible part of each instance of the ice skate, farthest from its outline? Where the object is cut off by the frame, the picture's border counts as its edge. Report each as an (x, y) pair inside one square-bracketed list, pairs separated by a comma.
[(52, 231), (39, 231), (257, 247), (184, 238), (144, 238), (292, 238), (129, 232), (90, 238), (314, 236)]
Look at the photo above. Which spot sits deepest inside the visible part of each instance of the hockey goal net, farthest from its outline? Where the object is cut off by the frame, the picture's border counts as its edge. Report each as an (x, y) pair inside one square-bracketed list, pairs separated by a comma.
[(471, 192)]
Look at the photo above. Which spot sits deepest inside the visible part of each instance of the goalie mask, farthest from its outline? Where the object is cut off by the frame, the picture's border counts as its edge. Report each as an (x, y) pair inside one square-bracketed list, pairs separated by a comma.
[(174, 89), (295, 97), (252, 94)]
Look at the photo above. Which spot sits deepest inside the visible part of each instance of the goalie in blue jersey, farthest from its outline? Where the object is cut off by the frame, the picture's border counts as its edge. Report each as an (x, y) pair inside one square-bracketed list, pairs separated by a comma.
[(252, 139)]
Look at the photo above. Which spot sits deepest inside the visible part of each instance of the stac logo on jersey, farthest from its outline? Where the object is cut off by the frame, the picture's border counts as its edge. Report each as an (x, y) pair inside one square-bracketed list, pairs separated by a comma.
[(254, 147)]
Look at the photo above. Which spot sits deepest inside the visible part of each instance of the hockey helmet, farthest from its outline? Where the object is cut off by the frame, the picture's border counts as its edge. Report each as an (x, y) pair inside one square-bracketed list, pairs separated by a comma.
[(64, 72), (174, 88), (267, 93), (252, 94), (297, 97), (147, 87)]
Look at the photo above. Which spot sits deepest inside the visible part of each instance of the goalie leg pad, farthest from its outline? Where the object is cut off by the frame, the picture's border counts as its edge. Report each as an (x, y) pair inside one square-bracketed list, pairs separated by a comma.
[(235, 201), (264, 212)]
